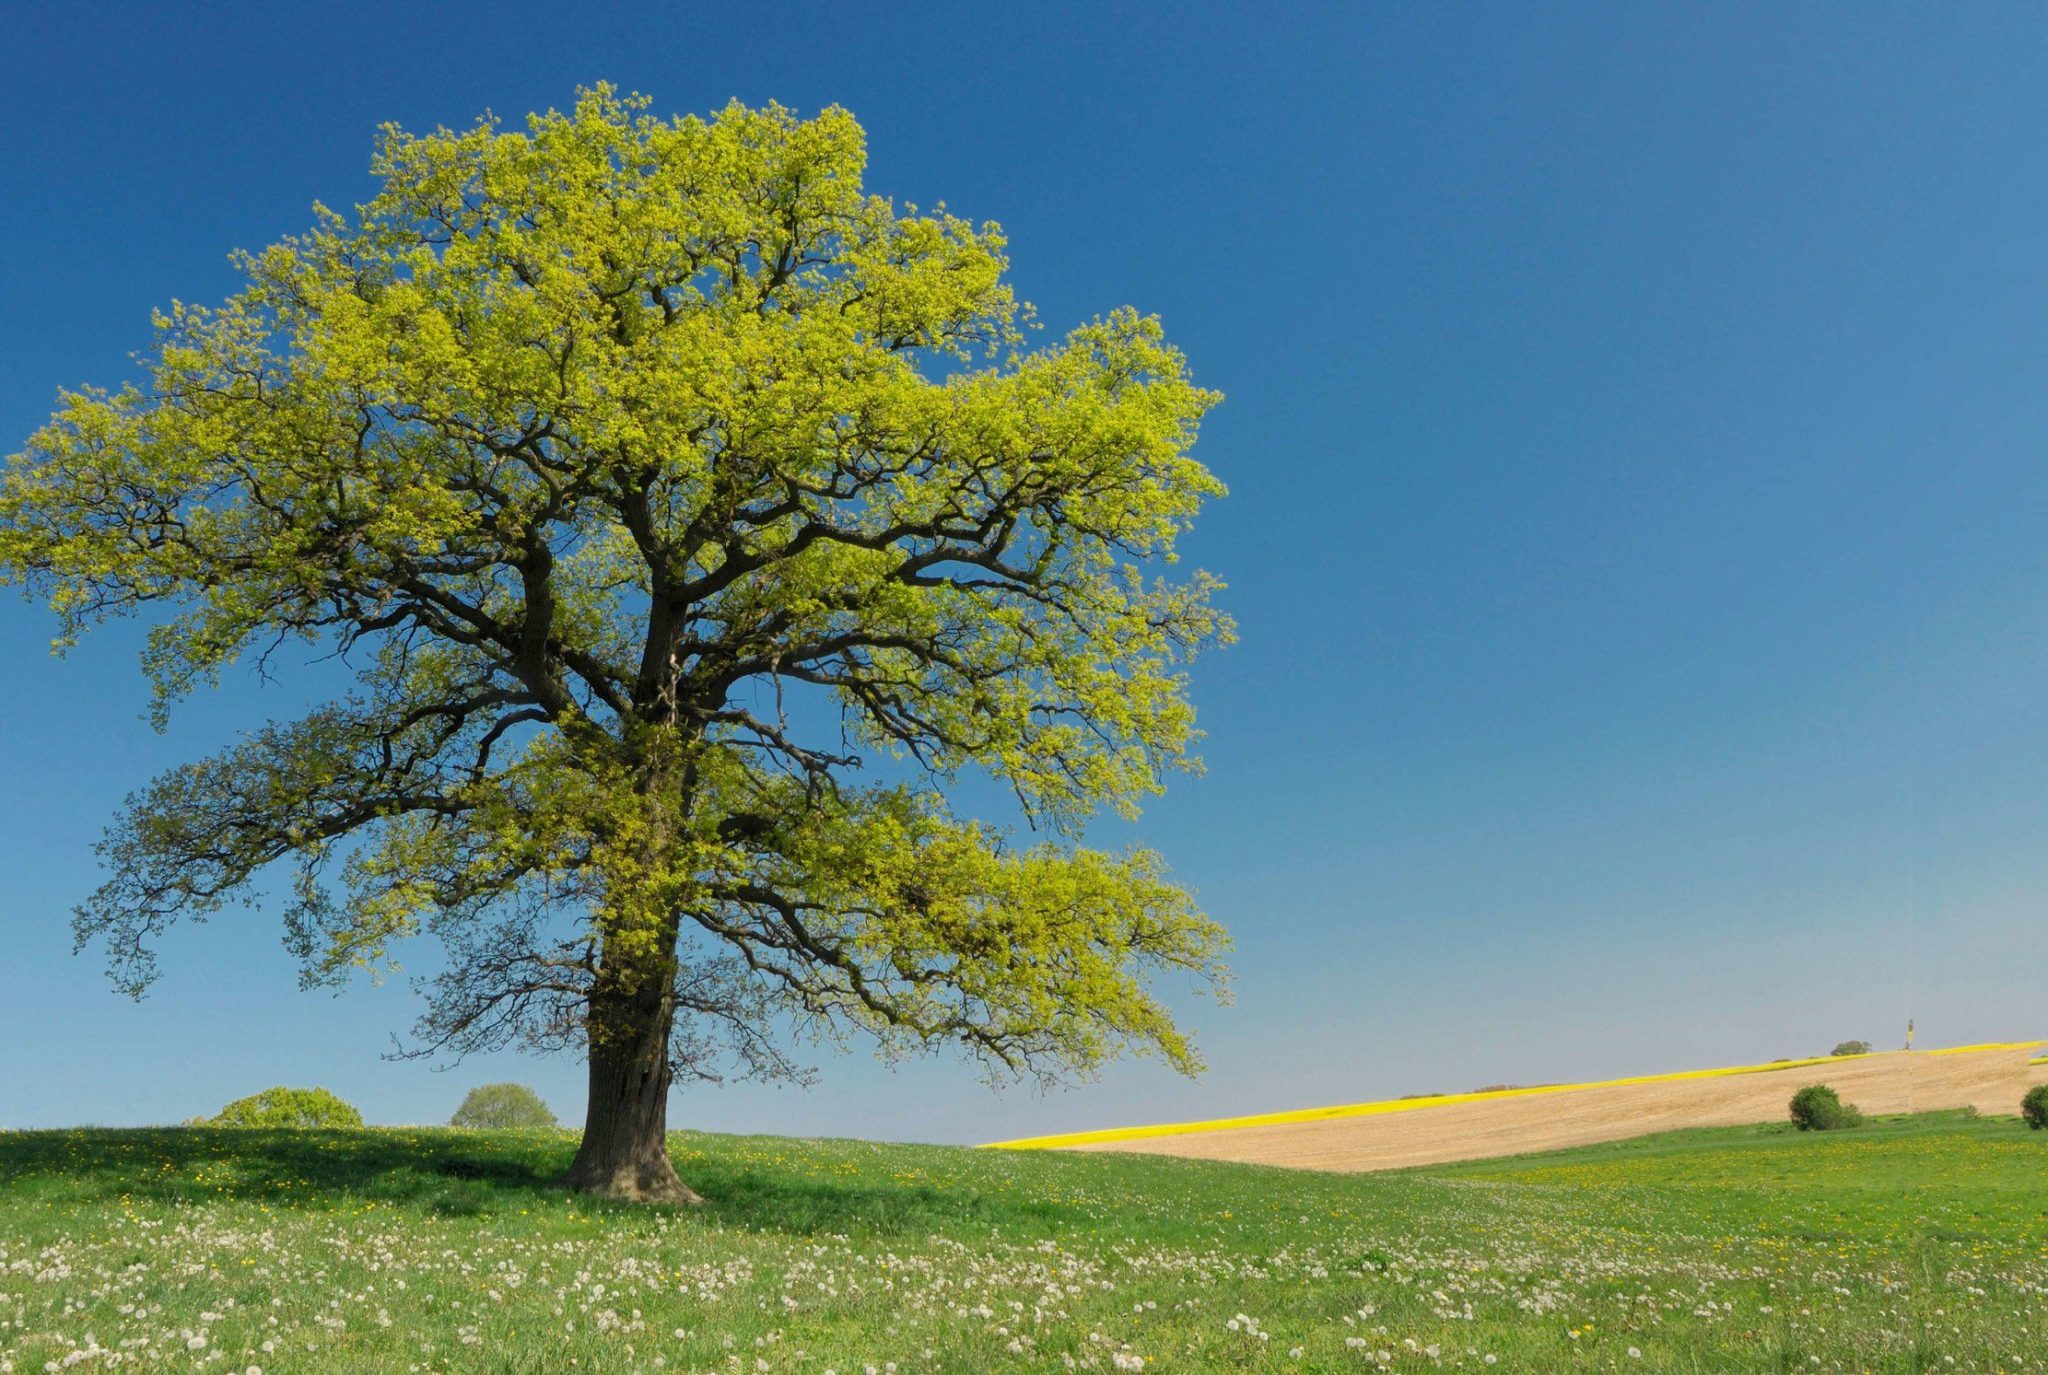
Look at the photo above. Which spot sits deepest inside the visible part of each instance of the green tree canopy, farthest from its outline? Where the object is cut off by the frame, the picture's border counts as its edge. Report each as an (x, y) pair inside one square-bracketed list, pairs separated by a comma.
[(283, 1109), (502, 1105), (690, 518), (1817, 1107)]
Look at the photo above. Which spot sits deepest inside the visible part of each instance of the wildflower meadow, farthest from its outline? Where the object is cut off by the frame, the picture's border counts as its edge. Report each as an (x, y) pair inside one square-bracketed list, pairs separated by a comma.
[(1913, 1244)]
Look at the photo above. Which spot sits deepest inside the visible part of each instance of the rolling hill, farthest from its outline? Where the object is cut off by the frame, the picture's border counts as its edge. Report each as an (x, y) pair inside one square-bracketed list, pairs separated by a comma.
[(1468, 1126)]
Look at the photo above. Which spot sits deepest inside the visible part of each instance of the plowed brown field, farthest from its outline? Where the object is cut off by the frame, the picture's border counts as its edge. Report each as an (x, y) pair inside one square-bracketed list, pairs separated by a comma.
[(1988, 1080)]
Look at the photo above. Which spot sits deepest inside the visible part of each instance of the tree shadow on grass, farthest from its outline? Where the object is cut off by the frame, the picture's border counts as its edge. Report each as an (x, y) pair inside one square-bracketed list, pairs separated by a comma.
[(474, 1174), (301, 1169)]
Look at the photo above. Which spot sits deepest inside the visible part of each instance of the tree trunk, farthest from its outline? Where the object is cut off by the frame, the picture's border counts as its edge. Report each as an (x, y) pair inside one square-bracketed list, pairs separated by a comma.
[(625, 1125)]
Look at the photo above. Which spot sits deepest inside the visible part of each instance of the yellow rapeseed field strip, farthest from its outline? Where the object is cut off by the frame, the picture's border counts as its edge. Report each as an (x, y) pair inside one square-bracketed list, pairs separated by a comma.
[(1107, 1135)]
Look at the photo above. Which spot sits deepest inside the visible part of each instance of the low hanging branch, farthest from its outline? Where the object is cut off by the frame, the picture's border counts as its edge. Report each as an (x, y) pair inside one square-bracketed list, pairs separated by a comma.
[(654, 478)]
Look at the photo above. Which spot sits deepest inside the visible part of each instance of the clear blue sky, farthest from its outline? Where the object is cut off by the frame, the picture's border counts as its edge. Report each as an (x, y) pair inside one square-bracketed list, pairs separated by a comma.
[(1636, 428)]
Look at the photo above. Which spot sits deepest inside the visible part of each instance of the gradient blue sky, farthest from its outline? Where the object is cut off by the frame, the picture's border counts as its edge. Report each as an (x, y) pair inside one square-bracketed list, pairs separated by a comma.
[(1636, 427)]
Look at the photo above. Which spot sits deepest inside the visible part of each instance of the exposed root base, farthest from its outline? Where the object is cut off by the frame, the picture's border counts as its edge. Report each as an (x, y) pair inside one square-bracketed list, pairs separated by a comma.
[(632, 1184)]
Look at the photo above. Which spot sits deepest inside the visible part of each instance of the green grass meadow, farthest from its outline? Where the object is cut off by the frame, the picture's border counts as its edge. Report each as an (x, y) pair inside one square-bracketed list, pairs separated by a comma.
[(1909, 1245)]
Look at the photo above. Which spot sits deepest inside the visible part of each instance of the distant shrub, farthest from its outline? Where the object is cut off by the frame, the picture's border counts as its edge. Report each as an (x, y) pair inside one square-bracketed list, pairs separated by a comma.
[(1851, 1048), (288, 1109), (1818, 1108), (2034, 1107), (502, 1105)]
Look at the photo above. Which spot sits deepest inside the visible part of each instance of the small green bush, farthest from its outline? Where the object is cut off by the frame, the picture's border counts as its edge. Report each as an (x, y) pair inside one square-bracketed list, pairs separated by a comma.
[(2034, 1107), (1851, 1048), (502, 1105), (289, 1109), (1818, 1108)]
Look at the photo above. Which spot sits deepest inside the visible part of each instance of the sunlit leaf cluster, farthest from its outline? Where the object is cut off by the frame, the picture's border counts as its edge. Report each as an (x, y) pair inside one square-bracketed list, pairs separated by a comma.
[(690, 517)]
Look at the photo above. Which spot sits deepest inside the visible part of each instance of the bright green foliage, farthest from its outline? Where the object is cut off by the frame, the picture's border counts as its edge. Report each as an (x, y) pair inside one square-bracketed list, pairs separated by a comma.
[(690, 518), (1818, 1108), (2034, 1107), (283, 1109), (502, 1105)]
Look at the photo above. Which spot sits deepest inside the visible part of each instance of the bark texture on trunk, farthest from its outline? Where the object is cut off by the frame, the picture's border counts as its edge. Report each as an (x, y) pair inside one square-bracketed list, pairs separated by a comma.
[(625, 1126)]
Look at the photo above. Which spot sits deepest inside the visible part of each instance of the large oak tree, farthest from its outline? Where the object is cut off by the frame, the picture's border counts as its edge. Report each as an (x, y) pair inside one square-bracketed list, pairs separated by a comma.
[(688, 519)]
